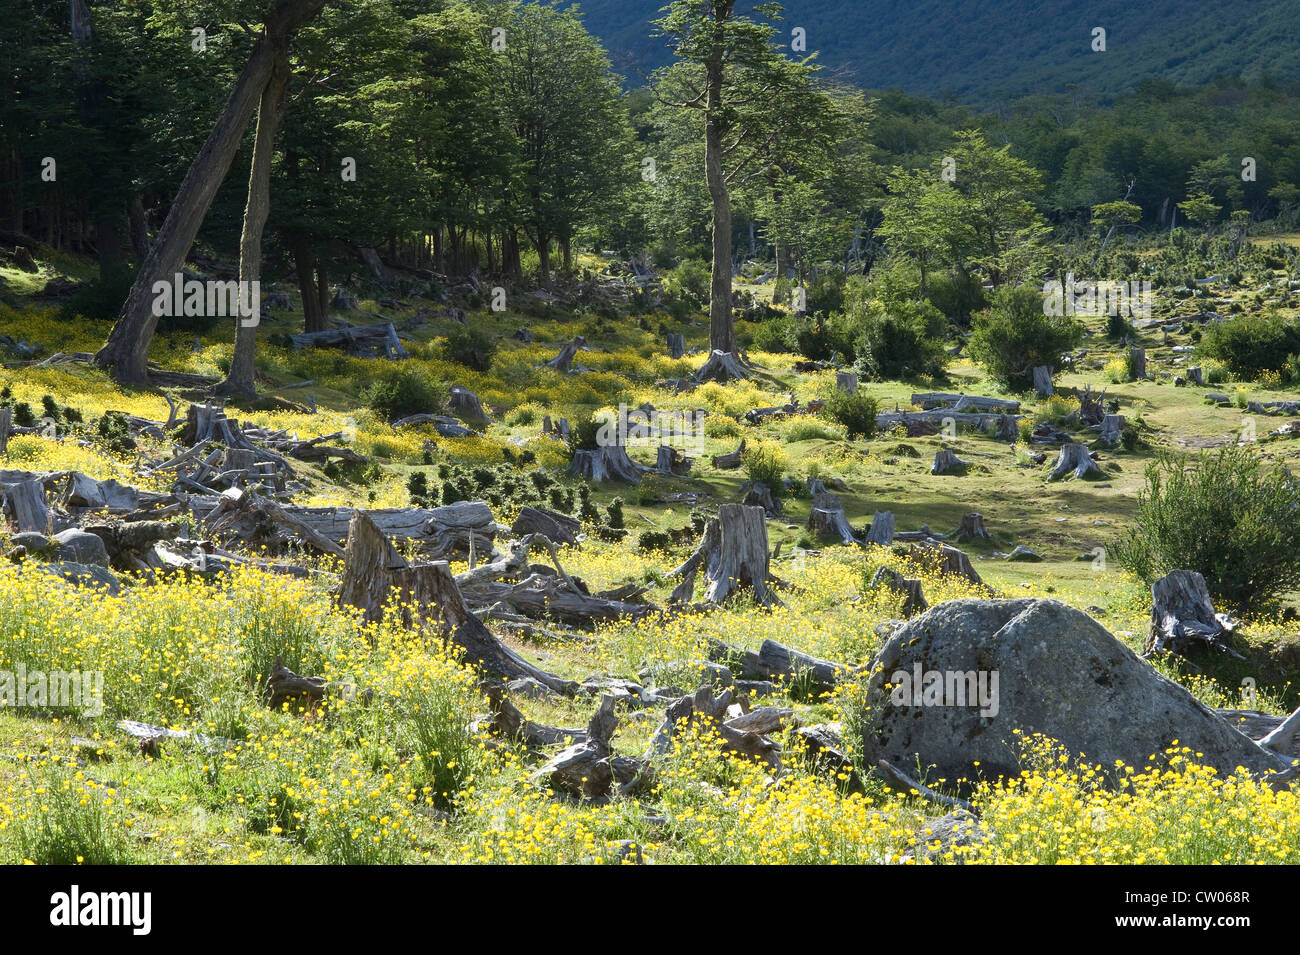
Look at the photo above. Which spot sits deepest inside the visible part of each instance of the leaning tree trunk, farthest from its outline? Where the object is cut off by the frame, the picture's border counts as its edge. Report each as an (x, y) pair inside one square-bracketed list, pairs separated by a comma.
[(240, 380), (127, 349)]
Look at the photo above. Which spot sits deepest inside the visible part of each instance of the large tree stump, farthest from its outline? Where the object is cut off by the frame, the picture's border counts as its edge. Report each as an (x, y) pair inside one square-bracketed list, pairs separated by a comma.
[(721, 367), (1137, 358), (24, 501), (1196, 376), (1005, 429), (760, 495), (608, 462), (730, 460), (676, 345), (972, 528), (670, 460), (1183, 616), (882, 529), (1074, 457), (827, 518), (563, 362), (377, 579), (1043, 386), (946, 558), (734, 553), (946, 462), (1112, 428), (847, 382)]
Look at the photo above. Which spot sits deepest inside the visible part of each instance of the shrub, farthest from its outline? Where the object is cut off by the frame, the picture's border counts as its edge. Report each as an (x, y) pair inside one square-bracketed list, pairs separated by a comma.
[(1013, 336), (405, 389), (1215, 372), (1251, 344), (1117, 370), (102, 297), (472, 347), (1229, 516), (690, 282), (774, 335), (806, 428), (856, 412), (765, 463), (903, 339)]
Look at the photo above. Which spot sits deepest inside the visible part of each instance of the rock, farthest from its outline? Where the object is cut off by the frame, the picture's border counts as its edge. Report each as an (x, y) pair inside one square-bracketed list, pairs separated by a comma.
[(80, 547), (1021, 552), (531, 689), (1038, 666), (31, 540), (87, 575), (955, 830)]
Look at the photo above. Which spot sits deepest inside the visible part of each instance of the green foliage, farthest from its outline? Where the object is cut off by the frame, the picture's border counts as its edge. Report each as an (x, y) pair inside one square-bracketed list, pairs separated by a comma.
[(902, 339), (1230, 516), (472, 347), (100, 298), (856, 412), (1013, 336), (1252, 343), (765, 462), (405, 389)]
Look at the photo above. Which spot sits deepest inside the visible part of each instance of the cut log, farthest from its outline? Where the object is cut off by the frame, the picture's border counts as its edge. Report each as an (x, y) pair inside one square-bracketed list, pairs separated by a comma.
[(945, 462), (1183, 617), (730, 460), (827, 518), (909, 588), (960, 402), (920, 423), (847, 382), (1074, 458), (676, 345), (1043, 386), (972, 528), (377, 578), (447, 427), (379, 340), (563, 362), (608, 462), (721, 367), (882, 529), (560, 528), (734, 552)]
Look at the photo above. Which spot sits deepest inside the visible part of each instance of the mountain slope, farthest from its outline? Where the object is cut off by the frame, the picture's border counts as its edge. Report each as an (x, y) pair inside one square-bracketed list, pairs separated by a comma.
[(980, 50)]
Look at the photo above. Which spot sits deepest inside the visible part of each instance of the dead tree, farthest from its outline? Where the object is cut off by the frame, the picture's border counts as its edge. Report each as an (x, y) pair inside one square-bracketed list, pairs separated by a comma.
[(676, 345), (377, 579), (6, 425), (734, 553), (560, 528), (1196, 376), (882, 529), (708, 712), (1137, 362), (945, 558), (1112, 429), (378, 340), (1183, 616), (1074, 457)]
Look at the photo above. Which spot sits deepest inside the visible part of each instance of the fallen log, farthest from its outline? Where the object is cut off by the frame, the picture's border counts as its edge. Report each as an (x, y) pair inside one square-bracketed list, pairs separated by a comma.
[(558, 527), (379, 340), (960, 402), (730, 460)]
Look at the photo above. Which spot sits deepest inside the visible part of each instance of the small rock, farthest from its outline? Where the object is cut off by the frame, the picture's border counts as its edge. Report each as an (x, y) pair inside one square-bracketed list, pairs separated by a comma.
[(80, 547)]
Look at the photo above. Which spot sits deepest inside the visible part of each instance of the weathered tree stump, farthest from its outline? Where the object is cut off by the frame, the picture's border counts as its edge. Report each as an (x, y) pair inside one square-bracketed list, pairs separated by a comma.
[(1004, 428), (882, 529), (847, 382), (1196, 376), (972, 528), (589, 770), (557, 527), (6, 425), (827, 518), (1074, 457), (734, 553), (945, 558), (670, 460), (760, 495), (608, 462), (705, 710), (24, 502), (946, 462), (523, 335), (730, 460), (1043, 386), (466, 404), (1112, 428), (563, 362), (676, 345), (1183, 616), (1138, 362), (909, 588)]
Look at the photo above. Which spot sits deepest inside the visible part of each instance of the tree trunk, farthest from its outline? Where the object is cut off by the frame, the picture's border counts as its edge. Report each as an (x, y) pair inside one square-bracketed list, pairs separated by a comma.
[(139, 223), (566, 254), (126, 351), (313, 314), (543, 244), (240, 380), (722, 331)]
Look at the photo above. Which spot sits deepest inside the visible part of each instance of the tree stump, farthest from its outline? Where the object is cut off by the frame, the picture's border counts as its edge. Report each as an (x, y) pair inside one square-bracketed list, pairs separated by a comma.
[(676, 345), (945, 462), (1138, 362), (972, 528), (608, 462), (523, 335), (946, 559), (1074, 457), (25, 503), (847, 382), (1112, 428), (1005, 429), (1196, 376), (1043, 386), (554, 526), (1183, 616), (730, 460), (882, 529), (588, 769), (670, 460), (6, 425), (909, 588), (827, 518), (721, 367), (760, 495), (734, 552), (564, 360), (465, 404)]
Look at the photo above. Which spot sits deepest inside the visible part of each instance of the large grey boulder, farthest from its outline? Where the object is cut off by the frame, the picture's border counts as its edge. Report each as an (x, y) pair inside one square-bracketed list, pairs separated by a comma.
[(91, 576), (1042, 667), (80, 547)]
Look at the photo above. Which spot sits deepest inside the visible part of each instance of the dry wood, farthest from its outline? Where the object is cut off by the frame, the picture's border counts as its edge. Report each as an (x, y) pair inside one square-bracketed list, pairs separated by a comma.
[(914, 601), (24, 502), (946, 462), (589, 769), (558, 527), (563, 362), (670, 460), (709, 712), (947, 559), (960, 402), (378, 340), (1074, 458), (730, 460), (734, 552), (721, 367), (972, 528), (827, 518), (607, 462), (676, 345), (847, 382), (1183, 616), (882, 529), (1043, 386)]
